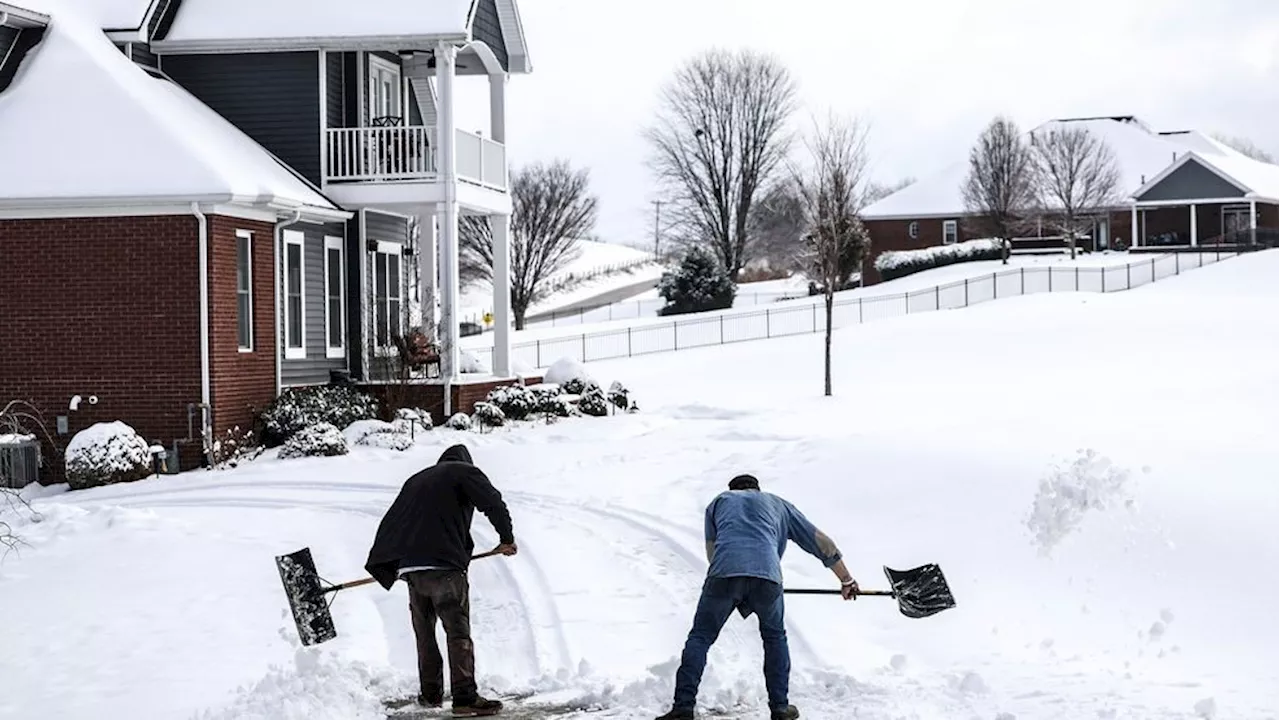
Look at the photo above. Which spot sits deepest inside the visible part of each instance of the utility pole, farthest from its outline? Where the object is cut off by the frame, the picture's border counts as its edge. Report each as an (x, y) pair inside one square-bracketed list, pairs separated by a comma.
[(657, 208)]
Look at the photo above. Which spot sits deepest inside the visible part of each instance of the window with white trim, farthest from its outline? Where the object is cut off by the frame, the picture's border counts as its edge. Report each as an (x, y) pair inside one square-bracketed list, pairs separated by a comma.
[(913, 229), (295, 299), (950, 232), (334, 298), (385, 88), (244, 290), (388, 293)]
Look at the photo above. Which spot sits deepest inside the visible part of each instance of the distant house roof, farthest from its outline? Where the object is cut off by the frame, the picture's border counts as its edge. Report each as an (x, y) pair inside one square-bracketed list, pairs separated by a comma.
[(1140, 154), (211, 25), (83, 125)]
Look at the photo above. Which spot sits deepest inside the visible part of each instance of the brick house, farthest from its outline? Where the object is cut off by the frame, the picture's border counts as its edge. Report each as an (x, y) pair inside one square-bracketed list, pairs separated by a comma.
[(1178, 189), (259, 196)]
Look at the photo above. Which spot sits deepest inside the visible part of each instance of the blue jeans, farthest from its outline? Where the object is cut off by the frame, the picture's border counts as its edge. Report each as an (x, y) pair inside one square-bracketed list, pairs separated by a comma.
[(720, 596)]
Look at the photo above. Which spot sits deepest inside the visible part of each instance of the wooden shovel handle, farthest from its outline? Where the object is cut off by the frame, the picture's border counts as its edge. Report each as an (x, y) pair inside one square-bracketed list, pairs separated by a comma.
[(366, 581), (824, 591)]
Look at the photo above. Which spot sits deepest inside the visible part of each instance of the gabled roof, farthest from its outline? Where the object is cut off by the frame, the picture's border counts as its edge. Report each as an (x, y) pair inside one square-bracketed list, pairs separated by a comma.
[(1140, 156), (1256, 180), (220, 25), (83, 125)]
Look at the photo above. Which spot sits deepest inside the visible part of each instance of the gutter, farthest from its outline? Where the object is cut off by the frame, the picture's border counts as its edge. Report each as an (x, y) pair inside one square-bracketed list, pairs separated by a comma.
[(277, 239), (206, 415), (314, 42)]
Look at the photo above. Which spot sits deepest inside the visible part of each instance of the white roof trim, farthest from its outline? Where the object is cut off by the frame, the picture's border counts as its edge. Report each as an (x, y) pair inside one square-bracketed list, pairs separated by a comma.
[(486, 55), (20, 17), (369, 43), (1183, 160), (70, 207), (1140, 204), (513, 36)]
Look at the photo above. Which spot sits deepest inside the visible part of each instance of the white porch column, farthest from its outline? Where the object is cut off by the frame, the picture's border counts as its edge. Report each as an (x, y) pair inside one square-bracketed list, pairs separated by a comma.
[(1194, 239), (498, 107), (447, 215), (1253, 220), (427, 279), (501, 294), (1133, 231)]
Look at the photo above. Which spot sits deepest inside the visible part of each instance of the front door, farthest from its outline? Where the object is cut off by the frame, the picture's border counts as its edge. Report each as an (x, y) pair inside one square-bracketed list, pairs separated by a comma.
[(1234, 217), (1102, 234)]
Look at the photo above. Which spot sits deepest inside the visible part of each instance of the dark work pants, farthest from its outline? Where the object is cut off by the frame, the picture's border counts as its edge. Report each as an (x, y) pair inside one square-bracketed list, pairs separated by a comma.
[(443, 595), (720, 596)]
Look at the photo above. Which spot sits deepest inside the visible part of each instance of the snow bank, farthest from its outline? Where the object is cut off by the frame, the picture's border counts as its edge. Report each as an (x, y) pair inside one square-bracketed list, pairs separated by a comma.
[(316, 685)]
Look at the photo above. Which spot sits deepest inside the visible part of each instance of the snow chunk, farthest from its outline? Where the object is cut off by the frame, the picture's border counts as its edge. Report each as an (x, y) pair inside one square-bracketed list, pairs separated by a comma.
[(1068, 493), (105, 453), (898, 662), (1207, 708), (972, 684)]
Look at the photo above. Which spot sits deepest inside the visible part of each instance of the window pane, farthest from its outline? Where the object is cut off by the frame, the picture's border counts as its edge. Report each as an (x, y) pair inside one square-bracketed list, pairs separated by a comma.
[(295, 268), (335, 272), (295, 322), (243, 320), (393, 307), (393, 276), (381, 323), (242, 263), (380, 282), (335, 322)]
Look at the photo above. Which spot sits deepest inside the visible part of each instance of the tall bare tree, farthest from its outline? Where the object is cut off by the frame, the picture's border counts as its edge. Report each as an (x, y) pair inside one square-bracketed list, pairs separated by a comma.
[(879, 191), (719, 137), (832, 192), (777, 226), (999, 190), (1075, 178), (552, 209), (1246, 147)]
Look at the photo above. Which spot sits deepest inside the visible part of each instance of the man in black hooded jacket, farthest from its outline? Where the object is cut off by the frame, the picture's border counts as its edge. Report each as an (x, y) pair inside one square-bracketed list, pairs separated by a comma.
[(425, 538)]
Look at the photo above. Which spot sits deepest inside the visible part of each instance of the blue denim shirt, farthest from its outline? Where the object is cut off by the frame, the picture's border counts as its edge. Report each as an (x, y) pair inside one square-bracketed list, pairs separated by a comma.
[(747, 533)]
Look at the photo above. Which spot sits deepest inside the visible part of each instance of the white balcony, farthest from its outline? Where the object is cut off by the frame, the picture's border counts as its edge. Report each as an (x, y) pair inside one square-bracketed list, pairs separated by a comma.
[(407, 154)]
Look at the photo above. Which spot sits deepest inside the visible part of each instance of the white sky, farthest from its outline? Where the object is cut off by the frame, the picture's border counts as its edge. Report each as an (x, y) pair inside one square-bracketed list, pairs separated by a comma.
[(927, 76)]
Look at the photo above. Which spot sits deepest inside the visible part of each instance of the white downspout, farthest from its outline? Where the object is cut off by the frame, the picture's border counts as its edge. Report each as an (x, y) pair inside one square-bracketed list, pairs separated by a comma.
[(206, 415), (277, 238)]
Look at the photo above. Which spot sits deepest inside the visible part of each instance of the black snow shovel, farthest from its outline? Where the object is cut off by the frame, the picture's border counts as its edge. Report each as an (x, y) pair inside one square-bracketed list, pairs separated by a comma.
[(920, 591), (302, 585)]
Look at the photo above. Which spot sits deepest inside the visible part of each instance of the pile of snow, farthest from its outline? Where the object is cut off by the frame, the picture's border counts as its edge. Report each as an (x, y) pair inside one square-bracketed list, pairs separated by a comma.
[(106, 453), (567, 369), (896, 263)]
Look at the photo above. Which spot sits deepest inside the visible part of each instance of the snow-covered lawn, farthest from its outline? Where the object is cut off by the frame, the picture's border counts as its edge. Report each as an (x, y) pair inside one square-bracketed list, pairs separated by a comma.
[(645, 305), (1096, 475), (477, 299)]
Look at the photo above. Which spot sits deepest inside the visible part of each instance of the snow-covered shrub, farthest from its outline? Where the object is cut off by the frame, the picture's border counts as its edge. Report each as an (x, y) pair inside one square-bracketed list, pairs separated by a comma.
[(488, 415), (515, 401), (593, 402), (410, 420), (106, 453), (899, 263), (619, 395), (319, 440), (545, 397), (470, 363), (376, 433), (459, 421), (699, 284), (298, 408), (569, 374), (235, 447)]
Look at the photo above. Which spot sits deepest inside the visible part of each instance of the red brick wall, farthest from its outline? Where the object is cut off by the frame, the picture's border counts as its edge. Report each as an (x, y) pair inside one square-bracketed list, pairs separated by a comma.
[(106, 307), (887, 235), (242, 382)]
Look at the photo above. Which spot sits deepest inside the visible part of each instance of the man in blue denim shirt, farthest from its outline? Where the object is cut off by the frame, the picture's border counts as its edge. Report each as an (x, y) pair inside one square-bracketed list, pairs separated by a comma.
[(747, 532)]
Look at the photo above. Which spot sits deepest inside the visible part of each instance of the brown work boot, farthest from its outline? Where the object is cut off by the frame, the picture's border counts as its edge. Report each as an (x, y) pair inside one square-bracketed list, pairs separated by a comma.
[(477, 707), (787, 713)]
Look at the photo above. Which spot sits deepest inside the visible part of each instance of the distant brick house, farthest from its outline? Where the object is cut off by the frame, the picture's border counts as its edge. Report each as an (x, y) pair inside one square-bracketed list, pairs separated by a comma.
[(1178, 189), (202, 203)]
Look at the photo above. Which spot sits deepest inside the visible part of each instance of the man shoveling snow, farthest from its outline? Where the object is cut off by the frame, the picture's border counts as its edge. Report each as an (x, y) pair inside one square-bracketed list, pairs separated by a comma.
[(746, 533), (425, 538)]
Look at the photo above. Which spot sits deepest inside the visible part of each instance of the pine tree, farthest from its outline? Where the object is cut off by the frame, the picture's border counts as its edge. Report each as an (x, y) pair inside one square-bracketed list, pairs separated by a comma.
[(699, 284)]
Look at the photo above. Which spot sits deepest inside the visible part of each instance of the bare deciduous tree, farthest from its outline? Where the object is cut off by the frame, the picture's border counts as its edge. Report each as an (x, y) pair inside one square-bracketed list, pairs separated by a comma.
[(777, 225), (719, 138), (999, 191), (1075, 178), (879, 191), (552, 209), (18, 417), (832, 192), (1246, 147)]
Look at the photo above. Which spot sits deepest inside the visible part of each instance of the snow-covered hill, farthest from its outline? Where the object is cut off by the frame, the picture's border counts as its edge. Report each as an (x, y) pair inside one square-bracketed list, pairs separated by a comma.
[(1096, 474)]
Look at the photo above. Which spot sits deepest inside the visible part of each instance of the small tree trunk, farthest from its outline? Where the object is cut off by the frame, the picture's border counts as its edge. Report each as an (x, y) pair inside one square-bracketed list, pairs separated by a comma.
[(518, 316), (830, 301)]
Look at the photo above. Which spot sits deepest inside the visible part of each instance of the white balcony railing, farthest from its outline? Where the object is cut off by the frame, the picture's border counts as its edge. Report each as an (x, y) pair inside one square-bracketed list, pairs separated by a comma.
[(408, 153)]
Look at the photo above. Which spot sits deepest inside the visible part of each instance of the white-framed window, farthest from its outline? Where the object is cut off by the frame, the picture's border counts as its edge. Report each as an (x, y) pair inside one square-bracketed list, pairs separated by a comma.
[(913, 229), (335, 305), (950, 232), (295, 295), (385, 88), (388, 294), (244, 290)]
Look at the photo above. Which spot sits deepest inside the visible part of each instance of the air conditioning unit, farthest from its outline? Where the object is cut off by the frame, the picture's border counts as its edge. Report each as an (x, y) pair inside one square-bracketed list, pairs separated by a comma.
[(19, 460)]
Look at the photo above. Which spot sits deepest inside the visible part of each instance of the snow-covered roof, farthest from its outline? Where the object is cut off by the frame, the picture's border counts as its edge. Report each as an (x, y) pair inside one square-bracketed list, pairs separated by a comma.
[(1257, 180), (115, 14), (1141, 155), (83, 125), (209, 21)]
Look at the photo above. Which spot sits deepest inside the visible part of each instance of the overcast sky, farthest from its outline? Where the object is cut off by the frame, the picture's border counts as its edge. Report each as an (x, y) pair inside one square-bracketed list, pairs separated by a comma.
[(927, 76)]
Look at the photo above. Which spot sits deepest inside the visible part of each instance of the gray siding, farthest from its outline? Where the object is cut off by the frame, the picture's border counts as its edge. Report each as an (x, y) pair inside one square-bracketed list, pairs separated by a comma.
[(415, 108), (1192, 181), (273, 97), (486, 28), (14, 50), (142, 55), (315, 368), (162, 19), (8, 36), (351, 100), (335, 83), (355, 324)]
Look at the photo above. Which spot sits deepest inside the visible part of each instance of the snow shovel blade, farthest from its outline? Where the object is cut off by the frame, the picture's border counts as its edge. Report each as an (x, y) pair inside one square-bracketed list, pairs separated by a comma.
[(306, 597), (920, 591)]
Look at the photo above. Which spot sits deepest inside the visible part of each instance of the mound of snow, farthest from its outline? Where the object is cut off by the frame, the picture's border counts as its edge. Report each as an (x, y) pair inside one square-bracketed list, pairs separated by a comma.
[(316, 686), (105, 453), (566, 369)]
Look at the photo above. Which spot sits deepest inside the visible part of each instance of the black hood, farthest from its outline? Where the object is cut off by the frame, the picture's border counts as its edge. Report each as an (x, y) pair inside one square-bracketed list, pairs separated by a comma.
[(457, 453)]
